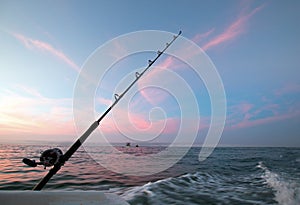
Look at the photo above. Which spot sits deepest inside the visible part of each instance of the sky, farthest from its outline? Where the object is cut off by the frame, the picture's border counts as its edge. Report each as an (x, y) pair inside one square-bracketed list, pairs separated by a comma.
[(254, 46)]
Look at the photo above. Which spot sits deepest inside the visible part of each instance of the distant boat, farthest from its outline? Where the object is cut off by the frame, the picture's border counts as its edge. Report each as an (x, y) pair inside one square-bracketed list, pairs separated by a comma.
[(129, 145)]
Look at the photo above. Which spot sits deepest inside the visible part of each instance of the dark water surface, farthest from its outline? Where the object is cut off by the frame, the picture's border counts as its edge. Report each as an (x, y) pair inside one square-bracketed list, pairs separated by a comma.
[(228, 176)]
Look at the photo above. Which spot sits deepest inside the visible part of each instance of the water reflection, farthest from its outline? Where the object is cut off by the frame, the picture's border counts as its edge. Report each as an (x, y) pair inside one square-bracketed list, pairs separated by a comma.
[(80, 172)]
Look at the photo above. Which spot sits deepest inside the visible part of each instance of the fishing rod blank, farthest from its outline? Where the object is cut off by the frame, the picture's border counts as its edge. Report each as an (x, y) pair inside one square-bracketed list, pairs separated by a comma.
[(52, 158)]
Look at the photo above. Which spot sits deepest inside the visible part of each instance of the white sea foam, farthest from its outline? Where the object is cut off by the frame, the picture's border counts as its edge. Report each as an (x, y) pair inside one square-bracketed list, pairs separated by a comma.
[(161, 191), (147, 189), (286, 192), (199, 187), (138, 190)]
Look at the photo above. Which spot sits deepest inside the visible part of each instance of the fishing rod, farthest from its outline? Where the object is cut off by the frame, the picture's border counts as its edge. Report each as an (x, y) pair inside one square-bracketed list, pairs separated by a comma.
[(56, 158)]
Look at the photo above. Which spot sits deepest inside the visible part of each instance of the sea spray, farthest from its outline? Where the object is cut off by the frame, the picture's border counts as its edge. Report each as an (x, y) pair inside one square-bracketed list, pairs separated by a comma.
[(286, 192)]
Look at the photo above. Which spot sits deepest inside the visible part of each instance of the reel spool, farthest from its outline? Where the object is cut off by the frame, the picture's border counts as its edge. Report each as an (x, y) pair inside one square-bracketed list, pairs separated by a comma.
[(50, 157)]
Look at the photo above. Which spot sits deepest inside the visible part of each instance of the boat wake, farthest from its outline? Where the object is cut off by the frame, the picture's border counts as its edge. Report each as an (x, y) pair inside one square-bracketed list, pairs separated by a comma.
[(286, 192), (196, 188), (261, 186)]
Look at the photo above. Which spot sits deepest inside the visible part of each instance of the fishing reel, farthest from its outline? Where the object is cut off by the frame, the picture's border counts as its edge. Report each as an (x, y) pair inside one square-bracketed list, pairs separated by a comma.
[(48, 158)]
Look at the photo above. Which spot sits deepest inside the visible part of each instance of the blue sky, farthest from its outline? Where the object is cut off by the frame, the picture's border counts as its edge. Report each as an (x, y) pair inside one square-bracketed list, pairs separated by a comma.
[(254, 45)]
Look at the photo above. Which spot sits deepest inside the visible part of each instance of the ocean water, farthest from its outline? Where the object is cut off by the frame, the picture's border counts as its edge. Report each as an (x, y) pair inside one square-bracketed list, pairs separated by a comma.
[(228, 176)]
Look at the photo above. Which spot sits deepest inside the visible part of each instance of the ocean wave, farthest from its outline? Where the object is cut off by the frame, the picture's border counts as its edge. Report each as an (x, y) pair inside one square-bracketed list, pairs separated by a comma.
[(286, 192), (230, 176), (163, 191), (194, 188)]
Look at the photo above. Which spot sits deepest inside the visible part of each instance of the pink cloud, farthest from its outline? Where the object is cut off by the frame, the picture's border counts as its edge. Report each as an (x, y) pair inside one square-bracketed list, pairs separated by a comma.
[(231, 32), (43, 46), (137, 124), (287, 89), (235, 29), (104, 101), (155, 95), (245, 107), (246, 115), (34, 114), (29, 91), (257, 122), (128, 122), (118, 50), (24, 112), (202, 36)]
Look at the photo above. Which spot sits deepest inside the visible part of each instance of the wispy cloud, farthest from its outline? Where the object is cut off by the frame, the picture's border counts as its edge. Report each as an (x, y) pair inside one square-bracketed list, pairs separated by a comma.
[(132, 124), (251, 123), (233, 30), (158, 74), (104, 101), (43, 46), (288, 88), (202, 36), (275, 107), (24, 110)]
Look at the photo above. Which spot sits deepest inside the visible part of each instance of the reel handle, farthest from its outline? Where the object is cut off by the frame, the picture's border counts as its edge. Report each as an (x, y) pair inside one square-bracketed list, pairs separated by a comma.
[(29, 162)]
